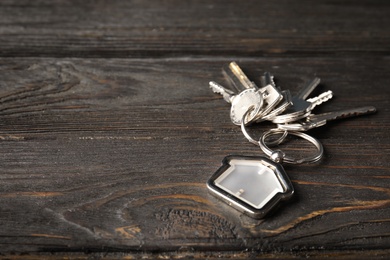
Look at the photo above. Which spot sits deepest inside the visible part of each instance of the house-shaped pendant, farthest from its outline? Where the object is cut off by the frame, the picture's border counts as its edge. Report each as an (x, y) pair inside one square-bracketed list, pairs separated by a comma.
[(252, 185)]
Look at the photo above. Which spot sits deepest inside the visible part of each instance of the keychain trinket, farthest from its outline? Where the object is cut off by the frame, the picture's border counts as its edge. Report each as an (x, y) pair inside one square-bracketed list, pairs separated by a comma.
[(252, 185), (255, 185)]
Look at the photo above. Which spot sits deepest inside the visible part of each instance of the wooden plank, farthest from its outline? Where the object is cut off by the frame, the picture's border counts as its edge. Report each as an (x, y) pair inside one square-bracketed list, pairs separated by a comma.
[(187, 28), (113, 154)]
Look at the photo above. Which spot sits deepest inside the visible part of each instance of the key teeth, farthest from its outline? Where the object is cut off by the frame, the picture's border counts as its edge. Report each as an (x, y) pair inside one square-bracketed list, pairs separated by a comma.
[(215, 87), (328, 95), (267, 78), (212, 84), (227, 94), (272, 80), (321, 98)]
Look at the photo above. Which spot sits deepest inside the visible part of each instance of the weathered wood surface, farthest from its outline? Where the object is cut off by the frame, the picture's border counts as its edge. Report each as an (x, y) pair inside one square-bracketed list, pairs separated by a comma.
[(111, 155), (175, 28)]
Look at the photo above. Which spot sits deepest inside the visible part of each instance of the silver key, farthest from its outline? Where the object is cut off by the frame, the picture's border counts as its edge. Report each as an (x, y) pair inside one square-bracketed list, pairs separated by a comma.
[(313, 121), (280, 108), (301, 106), (267, 79), (227, 94), (241, 102), (271, 94), (247, 97)]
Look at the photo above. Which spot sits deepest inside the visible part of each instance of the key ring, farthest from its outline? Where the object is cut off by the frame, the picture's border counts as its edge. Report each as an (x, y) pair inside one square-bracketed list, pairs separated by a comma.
[(253, 141), (279, 156)]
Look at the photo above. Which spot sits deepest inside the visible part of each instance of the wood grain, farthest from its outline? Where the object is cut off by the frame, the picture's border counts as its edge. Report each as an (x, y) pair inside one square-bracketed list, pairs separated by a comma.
[(113, 154), (121, 29), (109, 131)]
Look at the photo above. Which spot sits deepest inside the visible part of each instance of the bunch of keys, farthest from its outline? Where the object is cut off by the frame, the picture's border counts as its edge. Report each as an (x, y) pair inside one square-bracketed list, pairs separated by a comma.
[(256, 185)]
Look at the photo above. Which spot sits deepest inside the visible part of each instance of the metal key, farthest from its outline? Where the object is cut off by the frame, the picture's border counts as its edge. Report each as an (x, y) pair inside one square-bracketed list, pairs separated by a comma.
[(248, 95), (281, 107), (271, 94), (227, 94), (313, 121), (300, 106), (236, 77), (241, 102)]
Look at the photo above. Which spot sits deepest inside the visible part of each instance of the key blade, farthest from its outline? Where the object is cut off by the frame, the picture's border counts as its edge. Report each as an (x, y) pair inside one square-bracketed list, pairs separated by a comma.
[(227, 94), (301, 125), (320, 99), (345, 113), (237, 78), (313, 121), (241, 76), (267, 79), (306, 91)]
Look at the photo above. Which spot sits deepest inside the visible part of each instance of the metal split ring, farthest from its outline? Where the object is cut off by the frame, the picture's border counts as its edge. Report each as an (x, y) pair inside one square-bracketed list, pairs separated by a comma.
[(314, 158), (277, 155), (255, 142)]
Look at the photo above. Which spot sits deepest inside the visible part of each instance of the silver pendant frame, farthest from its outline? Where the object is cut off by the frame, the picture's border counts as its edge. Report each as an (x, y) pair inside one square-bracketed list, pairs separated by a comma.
[(240, 204)]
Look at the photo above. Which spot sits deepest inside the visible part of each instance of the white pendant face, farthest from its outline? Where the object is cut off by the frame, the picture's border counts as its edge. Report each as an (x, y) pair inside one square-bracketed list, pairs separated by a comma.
[(253, 185)]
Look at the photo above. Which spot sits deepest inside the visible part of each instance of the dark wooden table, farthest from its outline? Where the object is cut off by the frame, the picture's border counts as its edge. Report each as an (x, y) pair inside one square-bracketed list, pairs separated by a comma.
[(109, 130)]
